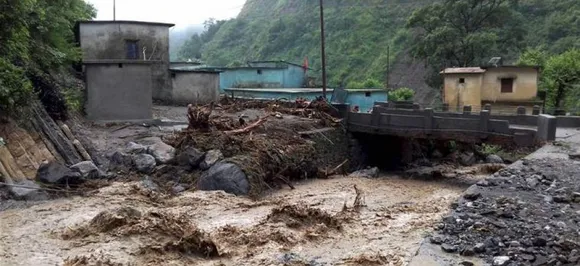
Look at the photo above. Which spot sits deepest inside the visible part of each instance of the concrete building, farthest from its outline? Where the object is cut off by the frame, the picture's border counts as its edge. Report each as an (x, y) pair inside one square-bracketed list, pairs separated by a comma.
[(194, 86), (504, 87), (130, 40), (118, 90), (263, 74)]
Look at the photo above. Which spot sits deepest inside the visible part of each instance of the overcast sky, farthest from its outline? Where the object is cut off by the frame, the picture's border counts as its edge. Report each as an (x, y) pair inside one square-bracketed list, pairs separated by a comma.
[(179, 12)]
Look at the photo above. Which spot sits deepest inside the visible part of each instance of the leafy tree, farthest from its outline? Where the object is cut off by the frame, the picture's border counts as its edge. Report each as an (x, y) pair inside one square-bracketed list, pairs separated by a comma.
[(36, 38), (562, 77), (371, 83), (462, 33), (401, 94), (533, 57)]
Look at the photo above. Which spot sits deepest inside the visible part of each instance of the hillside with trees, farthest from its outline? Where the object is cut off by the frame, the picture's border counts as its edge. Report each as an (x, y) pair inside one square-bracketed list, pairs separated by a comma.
[(369, 39), (36, 42)]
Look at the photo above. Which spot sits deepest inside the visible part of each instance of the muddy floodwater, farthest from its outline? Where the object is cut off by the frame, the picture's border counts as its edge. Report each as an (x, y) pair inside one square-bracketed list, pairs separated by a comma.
[(314, 224)]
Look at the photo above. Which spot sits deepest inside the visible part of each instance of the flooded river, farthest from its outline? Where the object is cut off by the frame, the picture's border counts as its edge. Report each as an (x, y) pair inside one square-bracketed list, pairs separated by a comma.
[(315, 224)]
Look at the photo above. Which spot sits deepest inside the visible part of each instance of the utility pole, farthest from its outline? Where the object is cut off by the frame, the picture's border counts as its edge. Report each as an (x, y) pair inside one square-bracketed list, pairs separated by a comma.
[(322, 50), (388, 63), (114, 9)]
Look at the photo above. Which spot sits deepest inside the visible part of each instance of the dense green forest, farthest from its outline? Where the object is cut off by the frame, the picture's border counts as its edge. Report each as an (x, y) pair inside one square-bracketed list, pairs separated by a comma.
[(36, 41), (362, 36)]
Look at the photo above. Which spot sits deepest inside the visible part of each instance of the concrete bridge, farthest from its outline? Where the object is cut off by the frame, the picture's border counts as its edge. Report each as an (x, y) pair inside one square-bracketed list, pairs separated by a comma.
[(522, 130)]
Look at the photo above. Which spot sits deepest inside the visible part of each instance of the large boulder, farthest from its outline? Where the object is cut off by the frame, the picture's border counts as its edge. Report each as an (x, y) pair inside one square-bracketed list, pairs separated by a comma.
[(144, 163), (366, 173), (190, 157), (225, 176), (120, 161), (134, 148), (492, 158), (27, 190), (162, 152), (87, 169), (56, 173), (211, 158)]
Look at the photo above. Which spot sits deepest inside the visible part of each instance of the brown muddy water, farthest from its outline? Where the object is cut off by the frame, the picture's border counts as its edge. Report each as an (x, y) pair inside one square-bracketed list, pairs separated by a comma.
[(309, 225)]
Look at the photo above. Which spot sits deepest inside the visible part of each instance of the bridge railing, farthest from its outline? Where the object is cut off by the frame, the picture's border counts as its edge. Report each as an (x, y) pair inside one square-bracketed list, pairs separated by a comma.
[(521, 116), (384, 120)]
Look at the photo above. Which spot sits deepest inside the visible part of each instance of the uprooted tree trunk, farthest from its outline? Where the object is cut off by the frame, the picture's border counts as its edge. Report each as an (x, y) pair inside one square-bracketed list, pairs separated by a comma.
[(198, 116)]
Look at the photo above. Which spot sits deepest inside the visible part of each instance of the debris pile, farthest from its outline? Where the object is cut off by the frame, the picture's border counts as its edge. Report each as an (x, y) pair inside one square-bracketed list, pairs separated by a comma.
[(269, 151), (527, 214)]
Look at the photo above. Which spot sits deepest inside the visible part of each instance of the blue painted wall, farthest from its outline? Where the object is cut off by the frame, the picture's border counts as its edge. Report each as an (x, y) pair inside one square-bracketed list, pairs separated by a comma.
[(255, 77), (276, 93), (365, 99)]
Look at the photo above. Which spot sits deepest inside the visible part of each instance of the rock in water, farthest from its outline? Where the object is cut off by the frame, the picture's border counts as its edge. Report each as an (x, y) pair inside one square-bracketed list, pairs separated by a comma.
[(211, 158), (366, 173), (467, 158), (56, 173), (30, 191), (162, 152), (493, 159), (178, 189), (501, 260), (190, 157), (149, 184), (144, 163), (224, 176), (87, 169)]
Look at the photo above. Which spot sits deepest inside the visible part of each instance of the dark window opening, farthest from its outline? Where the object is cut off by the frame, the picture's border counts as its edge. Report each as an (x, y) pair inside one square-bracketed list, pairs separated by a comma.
[(259, 71), (132, 49), (173, 75), (507, 85), (120, 65), (368, 94), (462, 80)]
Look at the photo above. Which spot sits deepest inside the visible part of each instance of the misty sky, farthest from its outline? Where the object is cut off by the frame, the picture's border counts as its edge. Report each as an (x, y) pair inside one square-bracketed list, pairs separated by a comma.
[(179, 12)]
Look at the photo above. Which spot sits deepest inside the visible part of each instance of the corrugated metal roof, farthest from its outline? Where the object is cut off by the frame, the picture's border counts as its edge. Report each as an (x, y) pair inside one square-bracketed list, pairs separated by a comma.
[(126, 22), (463, 70)]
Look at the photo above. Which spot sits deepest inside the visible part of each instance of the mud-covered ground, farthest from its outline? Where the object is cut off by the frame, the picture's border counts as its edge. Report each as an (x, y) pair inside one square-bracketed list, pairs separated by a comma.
[(336, 221), (306, 226)]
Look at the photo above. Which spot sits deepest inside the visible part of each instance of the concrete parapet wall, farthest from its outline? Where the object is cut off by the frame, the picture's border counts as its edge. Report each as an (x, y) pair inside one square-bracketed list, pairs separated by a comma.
[(524, 118), (427, 123)]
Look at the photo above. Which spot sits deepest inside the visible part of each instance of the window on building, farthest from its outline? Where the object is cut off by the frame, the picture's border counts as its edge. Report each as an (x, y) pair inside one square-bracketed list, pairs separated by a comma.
[(507, 85), (368, 94), (132, 49), (259, 71), (462, 80)]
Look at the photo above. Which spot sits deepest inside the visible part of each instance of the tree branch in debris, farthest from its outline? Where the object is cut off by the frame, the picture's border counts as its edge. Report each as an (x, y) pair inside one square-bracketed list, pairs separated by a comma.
[(248, 128)]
